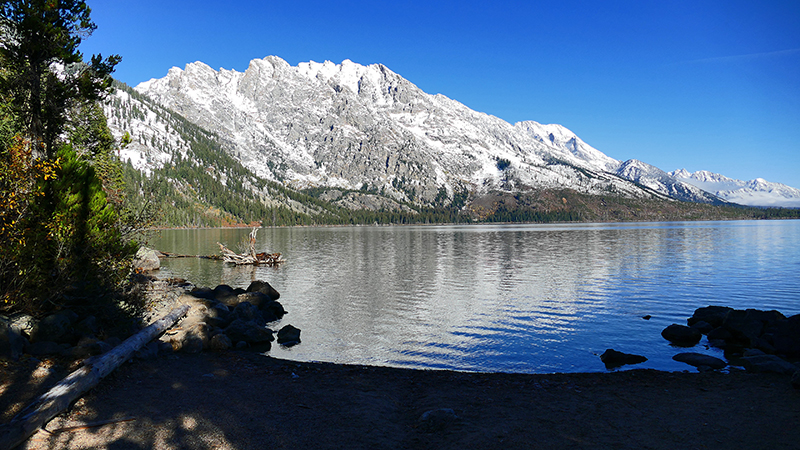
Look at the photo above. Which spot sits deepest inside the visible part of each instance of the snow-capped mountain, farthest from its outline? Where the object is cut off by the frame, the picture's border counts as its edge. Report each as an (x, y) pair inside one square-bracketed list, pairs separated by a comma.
[(758, 192), (365, 127)]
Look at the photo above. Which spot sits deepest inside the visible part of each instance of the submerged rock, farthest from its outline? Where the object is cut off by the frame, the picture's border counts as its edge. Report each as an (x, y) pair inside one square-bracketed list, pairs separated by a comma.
[(700, 360), (612, 358)]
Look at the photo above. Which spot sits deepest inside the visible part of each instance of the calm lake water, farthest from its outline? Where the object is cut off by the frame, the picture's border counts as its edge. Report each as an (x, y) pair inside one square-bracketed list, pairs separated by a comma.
[(510, 298)]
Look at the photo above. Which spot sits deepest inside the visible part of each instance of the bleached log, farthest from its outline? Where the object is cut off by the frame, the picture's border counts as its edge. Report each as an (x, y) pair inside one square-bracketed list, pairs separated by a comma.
[(78, 382)]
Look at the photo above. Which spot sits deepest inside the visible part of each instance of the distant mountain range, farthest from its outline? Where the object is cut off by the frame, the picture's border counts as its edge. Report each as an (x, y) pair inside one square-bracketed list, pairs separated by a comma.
[(758, 192), (363, 137)]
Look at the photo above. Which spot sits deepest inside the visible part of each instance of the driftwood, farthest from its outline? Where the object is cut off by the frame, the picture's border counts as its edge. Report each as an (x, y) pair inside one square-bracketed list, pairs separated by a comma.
[(176, 255), (251, 257), (75, 384)]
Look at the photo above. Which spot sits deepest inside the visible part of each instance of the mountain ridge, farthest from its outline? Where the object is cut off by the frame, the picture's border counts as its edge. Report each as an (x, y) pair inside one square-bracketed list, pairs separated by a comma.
[(361, 138), (349, 126)]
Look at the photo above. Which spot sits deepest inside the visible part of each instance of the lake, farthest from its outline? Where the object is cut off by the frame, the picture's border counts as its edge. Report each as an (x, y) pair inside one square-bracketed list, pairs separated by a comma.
[(507, 298)]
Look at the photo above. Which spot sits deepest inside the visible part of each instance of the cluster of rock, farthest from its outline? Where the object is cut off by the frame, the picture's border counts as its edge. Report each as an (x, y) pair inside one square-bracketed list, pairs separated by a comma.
[(224, 318), (760, 341), (218, 319)]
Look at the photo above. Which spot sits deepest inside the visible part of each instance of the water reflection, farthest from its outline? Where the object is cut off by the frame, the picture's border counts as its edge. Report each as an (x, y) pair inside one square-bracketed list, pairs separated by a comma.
[(511, 298)]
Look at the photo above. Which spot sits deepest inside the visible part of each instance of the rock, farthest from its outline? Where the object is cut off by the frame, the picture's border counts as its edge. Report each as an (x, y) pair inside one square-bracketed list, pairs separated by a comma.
[(265, 288), (54, 327), (24, 323), (249, 332), (89, 347), (753, 352), (193, 339), (146, 259), (247, 312), (713, 315), (700, 360), (259, 299), (747, 325), (702, 327), (785, 336), (681, 335), (612, 358), (223, 291), (220, 342), (289, 336), (647, 317), (768, 363), (437, 419), (796, 380), (273, 309), (720, 333), (202, 292), (87, 327), (12, 343)]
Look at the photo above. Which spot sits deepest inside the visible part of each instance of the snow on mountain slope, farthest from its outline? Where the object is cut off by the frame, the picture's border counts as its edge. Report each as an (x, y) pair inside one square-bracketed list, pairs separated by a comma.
[(656, 179), (758, 192), (365, 127)]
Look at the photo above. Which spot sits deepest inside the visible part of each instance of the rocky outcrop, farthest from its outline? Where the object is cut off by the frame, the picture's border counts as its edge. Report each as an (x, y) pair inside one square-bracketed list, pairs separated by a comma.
[(760, 341), (225, 317)]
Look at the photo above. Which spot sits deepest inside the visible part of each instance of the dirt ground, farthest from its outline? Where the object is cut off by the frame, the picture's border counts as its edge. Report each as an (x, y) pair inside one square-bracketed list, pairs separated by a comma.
[(242, 400)]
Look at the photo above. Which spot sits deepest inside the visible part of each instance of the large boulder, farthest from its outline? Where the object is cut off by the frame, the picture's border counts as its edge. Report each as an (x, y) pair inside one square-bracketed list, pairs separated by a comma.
[(265, 288), (247, 312), (259, 299), (146, 259), (55, 327), (785, 336), (226, 294), (249, 332), (273, 311), (12, 343), (748, 325), (220, 342), (713, 315), (203, 292), (700, 360), (681, 335), (192, 339)]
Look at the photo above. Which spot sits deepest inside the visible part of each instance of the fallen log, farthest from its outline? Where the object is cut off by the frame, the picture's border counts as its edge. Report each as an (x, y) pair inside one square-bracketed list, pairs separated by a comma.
[(78, 382)]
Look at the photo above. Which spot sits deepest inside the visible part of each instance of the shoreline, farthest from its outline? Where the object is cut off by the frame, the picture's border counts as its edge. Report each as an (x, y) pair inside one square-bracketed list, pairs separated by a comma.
[(246, 399)]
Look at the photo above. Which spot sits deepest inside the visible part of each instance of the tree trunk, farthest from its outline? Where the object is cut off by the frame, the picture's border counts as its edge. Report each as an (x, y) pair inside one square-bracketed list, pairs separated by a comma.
[(78, 382)]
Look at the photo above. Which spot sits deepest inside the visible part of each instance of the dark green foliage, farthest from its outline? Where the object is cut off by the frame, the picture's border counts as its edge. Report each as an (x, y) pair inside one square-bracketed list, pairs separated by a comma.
[(62, 209), (35, 35)]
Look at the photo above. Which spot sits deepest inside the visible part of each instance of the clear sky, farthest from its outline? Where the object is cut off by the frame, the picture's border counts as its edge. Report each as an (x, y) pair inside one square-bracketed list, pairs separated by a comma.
[(701, 85)]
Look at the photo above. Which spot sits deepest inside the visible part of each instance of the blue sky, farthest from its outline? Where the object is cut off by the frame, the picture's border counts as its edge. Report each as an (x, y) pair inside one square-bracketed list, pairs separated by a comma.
[(701, 85)]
